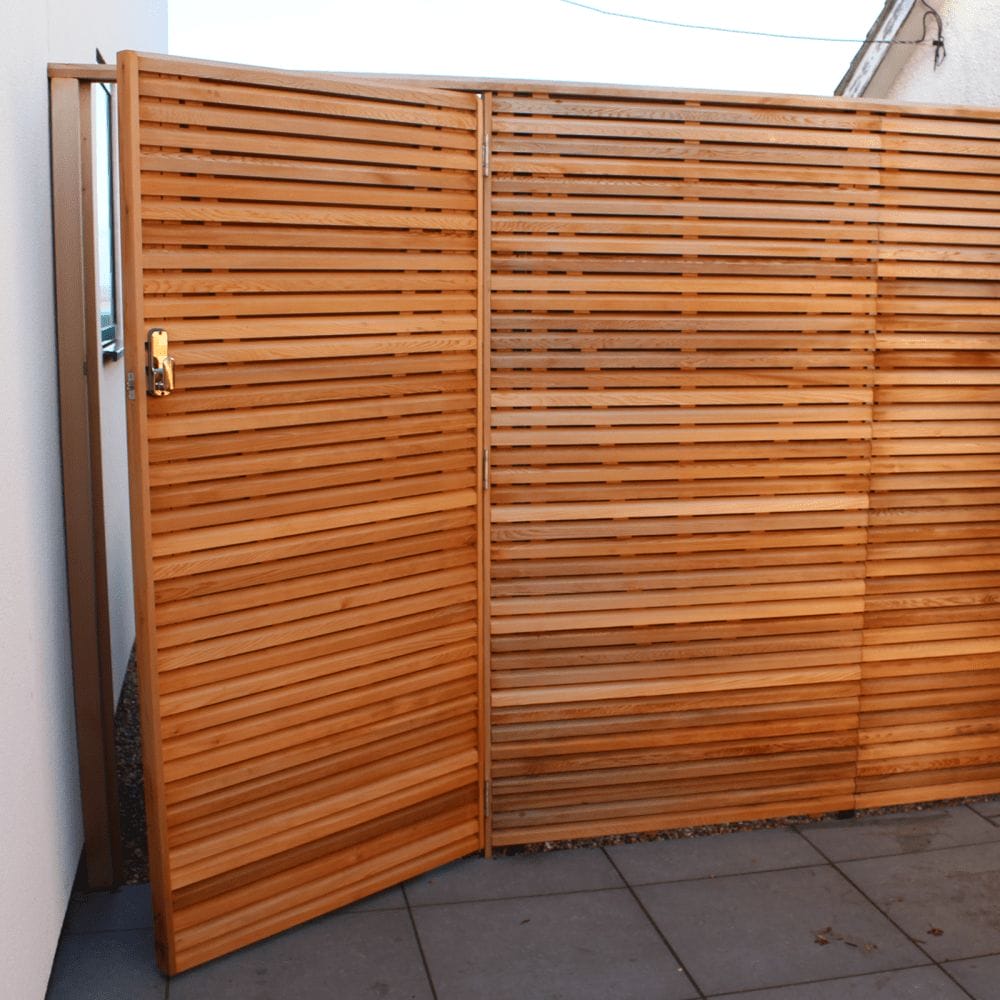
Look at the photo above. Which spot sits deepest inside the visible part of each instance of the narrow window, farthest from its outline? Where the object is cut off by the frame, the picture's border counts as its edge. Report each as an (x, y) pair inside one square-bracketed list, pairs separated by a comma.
[(104, 221)]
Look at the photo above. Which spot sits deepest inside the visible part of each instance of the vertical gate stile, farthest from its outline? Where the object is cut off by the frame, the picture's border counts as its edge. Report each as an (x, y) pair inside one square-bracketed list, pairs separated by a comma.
[(142, 566), (483, 281)]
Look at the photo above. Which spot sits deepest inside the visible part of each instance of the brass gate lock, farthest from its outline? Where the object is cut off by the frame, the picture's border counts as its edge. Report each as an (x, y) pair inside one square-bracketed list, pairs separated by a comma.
[(159, 364)]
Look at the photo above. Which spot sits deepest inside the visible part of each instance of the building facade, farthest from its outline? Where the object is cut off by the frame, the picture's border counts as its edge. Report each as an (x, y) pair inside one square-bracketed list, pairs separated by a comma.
[(968, 73)]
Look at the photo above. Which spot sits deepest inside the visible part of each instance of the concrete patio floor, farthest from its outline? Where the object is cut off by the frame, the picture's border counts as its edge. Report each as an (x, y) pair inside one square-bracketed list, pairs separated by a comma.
[(892, 907)]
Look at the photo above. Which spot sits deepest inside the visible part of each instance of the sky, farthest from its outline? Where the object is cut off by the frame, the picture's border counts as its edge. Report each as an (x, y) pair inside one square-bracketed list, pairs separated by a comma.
[(535, 39)]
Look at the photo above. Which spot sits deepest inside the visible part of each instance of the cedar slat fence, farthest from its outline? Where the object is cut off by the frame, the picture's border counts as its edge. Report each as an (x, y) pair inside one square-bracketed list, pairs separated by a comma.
[(737, 364), (744, 404)]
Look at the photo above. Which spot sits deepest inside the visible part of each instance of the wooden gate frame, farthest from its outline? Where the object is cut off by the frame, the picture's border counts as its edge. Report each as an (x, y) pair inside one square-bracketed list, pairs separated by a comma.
[(80, 363)]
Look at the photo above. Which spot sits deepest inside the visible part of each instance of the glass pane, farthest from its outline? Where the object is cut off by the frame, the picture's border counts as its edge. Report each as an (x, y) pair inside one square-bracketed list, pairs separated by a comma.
[(104, 209)]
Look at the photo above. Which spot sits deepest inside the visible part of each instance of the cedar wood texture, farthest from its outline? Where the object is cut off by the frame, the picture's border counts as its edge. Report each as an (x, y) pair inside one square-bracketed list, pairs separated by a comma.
[(308, 498), (740, 383), (744, 403)]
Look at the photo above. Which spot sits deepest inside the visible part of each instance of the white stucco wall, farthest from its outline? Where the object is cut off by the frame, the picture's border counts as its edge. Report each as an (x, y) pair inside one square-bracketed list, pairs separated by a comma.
[(40, 825), (970, 74)]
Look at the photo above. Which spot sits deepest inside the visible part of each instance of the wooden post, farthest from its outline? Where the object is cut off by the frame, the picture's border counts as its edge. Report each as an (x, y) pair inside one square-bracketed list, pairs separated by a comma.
[(78, 339)]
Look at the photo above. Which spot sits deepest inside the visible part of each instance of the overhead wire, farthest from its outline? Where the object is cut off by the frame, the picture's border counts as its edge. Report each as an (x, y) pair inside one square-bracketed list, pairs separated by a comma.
[(938, 43)]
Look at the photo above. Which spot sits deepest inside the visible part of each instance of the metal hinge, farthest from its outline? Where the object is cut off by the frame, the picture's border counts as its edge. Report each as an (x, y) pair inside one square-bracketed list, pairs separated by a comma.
[(130, 386), (486, 468), (488, 798), (486, 155)]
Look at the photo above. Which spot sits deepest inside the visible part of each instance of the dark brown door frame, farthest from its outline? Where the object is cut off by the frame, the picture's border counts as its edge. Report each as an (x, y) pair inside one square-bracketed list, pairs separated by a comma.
[(79, 361)]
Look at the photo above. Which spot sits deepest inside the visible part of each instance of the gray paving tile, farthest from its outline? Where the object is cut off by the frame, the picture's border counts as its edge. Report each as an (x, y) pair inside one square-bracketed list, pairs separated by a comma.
[(363, 956), (113, 965), (130, 908), (580, 946), (517, 875), (899, 833), (709, 857), (388, 899), (928, 983), (979, 976), (953, 893), (776, 928), (989, 808)]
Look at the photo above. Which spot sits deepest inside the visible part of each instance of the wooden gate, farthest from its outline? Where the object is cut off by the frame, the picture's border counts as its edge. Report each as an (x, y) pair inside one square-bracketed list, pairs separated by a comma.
[(306, 499)]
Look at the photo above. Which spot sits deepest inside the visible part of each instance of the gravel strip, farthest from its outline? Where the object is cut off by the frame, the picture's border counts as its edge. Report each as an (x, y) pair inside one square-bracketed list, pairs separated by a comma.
[(131, 804)]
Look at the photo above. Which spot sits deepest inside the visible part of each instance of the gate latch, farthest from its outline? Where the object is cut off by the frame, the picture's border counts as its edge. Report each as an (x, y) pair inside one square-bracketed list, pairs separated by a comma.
[(159, 364)]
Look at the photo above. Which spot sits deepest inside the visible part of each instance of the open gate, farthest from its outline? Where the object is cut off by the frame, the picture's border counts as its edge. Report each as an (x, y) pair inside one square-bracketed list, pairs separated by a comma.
[(306, 496)]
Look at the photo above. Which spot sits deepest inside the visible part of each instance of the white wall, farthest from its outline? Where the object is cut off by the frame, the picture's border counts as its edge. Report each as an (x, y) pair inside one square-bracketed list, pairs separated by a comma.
[(40, 824), (970, 74), (116, 518)]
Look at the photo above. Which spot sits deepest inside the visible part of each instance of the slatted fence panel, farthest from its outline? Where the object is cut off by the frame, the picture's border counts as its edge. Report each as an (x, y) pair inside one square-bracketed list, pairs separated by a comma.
[(683, 324), (311, 681), (930, 722), (743, 401)]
